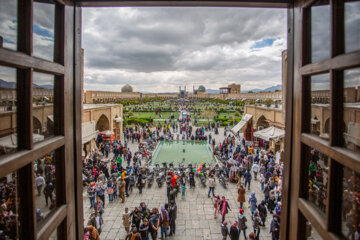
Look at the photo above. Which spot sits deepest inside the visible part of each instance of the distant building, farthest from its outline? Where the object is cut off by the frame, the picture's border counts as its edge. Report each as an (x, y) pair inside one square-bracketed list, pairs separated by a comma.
[(127, 88)]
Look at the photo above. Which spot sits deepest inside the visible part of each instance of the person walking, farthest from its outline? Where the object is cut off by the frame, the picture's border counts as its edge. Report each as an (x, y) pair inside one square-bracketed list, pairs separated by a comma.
[(242, 222), (126, 220), (247, 177), (154, 223), (262, 212), (256, 224), (122, 190), (136, 217), (275, 228), (252, 202), (172, 215), (224, 230), (144, 229), (224, 207), (216, 204), (183, 190), (91, 194), (211, 185), (255, 168), (48, 191), (234, 232), (241, 195), (39, 182), (164, 222)]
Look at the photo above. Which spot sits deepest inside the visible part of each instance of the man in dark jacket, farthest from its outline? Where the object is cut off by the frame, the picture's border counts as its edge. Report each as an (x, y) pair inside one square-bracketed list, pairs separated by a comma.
[(224, 230), (275, 229), (262, 212), (234, 232), (172, 215)]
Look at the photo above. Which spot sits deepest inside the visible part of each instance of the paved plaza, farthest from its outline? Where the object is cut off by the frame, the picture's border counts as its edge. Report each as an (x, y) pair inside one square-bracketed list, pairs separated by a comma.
[(195, 216)]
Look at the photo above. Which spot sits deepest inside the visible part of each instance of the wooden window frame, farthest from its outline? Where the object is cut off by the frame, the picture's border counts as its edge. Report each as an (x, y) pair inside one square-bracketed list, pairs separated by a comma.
[(329, 227), (63, 217)]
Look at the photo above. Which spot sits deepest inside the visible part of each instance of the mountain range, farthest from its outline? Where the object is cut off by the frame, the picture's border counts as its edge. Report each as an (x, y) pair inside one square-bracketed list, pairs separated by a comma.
[(255, 90), (12, 85)]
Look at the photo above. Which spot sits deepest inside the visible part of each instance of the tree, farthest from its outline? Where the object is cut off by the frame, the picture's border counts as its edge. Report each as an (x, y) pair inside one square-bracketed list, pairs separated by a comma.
[(207, 114)]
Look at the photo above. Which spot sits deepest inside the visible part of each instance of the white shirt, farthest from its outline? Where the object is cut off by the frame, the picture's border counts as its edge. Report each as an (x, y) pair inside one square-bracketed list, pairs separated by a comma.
[(39, 181)]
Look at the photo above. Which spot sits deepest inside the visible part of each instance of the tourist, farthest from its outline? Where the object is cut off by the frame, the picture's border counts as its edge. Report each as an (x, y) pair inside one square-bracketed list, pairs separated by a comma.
[(94, 234), (252, 203), (234, 233), (224, 207), (216, 204), (256, 224), (262, 212), (39, 182), (224, 230), (172, 215), (255, 168), (110, 190), (144, 230), (136, 217), (126, 220), (122, 188), (48, 191), (99, 208), (164, 222), (211, 185), (154, 223), (133, 235), (101, 192), (275, 228), (183, 189), (241, 195), (247, 177), (262, 182), (242, 222)]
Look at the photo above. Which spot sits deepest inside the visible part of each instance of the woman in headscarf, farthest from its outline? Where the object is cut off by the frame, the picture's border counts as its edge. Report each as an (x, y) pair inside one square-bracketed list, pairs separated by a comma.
[(224, 207), (252, 202), (241, 195), (164, 221)]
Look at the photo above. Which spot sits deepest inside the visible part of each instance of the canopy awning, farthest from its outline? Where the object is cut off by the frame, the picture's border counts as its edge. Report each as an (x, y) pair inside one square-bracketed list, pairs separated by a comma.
[(246, 118), (314, 121), (10, 141), (270, 133), (353, 134), (119, 119)]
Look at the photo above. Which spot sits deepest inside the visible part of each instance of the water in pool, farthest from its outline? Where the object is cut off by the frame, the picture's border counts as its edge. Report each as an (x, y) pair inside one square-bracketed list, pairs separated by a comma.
[(194, 152)]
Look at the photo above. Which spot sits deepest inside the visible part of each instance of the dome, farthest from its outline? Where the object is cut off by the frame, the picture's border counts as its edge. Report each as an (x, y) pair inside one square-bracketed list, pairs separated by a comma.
[(201, 88), (127, 88)]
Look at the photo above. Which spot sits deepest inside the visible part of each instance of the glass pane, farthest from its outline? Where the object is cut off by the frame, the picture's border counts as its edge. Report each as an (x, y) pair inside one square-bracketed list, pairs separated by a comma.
[(320, 32), (8, 136), (320, 105), (352, 26), (318, 178), (8, 24), (43, 30), (311, 232), (43, 108), (350, 204), (352, 109), (9, 205), (44, 186)]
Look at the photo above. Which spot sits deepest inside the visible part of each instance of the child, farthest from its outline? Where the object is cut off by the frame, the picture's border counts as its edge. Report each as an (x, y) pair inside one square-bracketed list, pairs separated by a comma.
[(224, 230), (183, 189), (126, 220)]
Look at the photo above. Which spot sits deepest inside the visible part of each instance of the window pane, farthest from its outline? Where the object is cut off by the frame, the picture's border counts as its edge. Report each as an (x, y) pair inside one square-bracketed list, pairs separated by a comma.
[(352, 109), (8, 136), (44, 187), (8, 23), (352, 26), (320, 32), (318, 178), (320, 105), (350, 204), (9, 206), (43, 30), (43, 108), (311, 232)]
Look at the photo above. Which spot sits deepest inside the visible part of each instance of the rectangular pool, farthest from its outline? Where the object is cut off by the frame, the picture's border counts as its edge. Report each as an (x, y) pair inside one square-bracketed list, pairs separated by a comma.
[(195, 152)]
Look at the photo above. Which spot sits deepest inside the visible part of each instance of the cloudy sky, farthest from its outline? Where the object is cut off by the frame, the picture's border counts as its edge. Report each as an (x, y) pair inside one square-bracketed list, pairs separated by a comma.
[(160, 49)]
